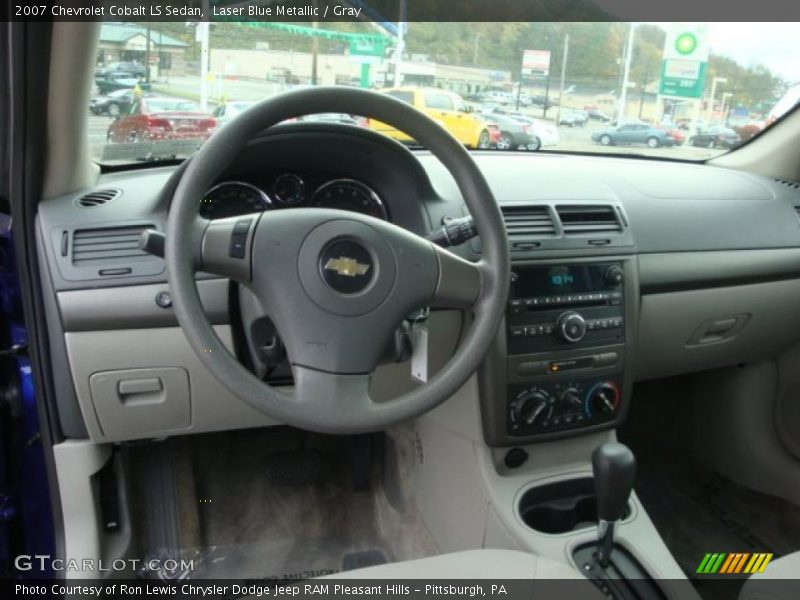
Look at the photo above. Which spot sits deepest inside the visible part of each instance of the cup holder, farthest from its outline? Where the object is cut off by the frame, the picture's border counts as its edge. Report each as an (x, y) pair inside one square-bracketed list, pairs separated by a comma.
[(560, 507)]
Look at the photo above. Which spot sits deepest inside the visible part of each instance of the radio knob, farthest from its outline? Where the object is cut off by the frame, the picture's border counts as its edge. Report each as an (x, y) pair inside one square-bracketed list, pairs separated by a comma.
[(614, 275), (571, 326)]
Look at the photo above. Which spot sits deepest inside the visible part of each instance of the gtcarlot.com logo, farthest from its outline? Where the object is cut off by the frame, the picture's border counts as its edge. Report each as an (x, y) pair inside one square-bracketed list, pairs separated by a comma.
[(44, 562), (732, 563)]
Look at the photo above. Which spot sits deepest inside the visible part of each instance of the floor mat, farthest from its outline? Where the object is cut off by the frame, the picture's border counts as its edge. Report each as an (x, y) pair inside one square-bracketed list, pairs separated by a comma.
[(284, 504), (694, 509)]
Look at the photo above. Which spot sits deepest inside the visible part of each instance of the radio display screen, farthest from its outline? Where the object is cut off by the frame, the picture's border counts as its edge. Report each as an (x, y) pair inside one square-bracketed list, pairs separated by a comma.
[(558, 279)]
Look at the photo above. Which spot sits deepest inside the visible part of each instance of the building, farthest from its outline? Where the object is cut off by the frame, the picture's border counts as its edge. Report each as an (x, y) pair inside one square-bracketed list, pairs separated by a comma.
[(125, 42)]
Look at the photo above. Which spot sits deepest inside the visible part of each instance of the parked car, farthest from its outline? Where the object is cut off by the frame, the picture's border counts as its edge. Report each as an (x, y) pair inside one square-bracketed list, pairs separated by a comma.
[(514, 133), (136, 69), (161, 118), (715, 137), (546, 131), (596, 115), (634, 133), (115, 80), (676, 134), (445, 107), (573, 118), (112, 104), (226, 111), (497, 96), (543, 101), (748, 131)]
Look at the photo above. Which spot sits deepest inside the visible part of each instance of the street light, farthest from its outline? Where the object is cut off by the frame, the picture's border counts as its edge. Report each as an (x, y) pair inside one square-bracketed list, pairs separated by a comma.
[(725, 108), (714, 83)]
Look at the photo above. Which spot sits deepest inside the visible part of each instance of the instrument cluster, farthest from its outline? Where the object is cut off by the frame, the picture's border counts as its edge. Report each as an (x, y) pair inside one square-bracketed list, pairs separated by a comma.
[(290, 190)]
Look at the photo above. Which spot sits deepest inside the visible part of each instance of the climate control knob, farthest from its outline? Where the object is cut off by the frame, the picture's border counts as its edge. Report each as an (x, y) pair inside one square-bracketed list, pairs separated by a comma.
[(602, 399), (571, 397), (571, 326), (533, 407)]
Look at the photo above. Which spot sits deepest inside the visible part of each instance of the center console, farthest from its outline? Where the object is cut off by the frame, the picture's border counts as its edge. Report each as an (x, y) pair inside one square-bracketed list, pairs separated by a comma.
[(559, 365)]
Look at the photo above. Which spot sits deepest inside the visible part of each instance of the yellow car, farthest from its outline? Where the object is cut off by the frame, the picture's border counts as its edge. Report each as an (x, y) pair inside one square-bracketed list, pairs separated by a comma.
[(444, 107)]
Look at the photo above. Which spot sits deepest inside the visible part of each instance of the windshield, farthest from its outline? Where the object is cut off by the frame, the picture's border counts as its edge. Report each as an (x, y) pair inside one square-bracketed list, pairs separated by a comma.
[(682, 91)]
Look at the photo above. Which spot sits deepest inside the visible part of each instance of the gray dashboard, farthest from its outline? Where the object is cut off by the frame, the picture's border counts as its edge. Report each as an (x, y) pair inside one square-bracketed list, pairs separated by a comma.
[(696, 233)]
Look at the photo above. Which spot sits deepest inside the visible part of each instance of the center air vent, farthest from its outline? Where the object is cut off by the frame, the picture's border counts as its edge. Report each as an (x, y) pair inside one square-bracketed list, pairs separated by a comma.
[(528, 221), (588, 219), (98, 198), (108, 246)]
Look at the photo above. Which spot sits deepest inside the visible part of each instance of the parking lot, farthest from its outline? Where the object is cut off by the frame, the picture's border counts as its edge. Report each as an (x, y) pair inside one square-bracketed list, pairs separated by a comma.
[(572, 139)]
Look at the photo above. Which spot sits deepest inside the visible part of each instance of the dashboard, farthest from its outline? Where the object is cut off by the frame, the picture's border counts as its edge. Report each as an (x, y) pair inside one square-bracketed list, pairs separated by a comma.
[(275, 191), (624, 270)]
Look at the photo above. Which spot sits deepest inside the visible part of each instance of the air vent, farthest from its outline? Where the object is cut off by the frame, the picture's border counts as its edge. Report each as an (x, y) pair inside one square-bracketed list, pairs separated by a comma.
[(111, 245), (795, 185), (588, 220), (528, 221), (98, 198), (797, 210)]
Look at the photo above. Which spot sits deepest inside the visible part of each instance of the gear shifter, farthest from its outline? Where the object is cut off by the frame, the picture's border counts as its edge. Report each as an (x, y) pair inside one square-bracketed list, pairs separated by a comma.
[(614, 467)]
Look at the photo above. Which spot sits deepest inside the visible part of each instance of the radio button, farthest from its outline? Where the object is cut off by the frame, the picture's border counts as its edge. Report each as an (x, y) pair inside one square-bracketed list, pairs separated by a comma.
[(607, 359), (529, 369), (517, 331)]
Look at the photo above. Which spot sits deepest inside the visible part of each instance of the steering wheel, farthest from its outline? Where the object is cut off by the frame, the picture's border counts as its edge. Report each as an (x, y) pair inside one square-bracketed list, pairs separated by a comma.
[(336, 284)]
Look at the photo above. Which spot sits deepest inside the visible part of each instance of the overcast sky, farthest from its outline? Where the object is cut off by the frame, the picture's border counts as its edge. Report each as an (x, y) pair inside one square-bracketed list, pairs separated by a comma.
[(776, 45)]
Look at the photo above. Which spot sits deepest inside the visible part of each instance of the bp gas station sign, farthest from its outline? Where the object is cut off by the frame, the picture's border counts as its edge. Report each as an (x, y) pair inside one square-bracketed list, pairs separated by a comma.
[(685, 62)]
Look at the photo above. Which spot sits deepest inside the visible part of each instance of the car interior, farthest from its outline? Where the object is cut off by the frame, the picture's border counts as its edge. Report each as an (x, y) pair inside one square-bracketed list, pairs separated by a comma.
[(443, 363)]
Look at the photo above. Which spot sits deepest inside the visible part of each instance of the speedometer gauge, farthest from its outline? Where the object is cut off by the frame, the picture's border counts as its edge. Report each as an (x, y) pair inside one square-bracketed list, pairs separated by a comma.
[(289, 189), (352, 195), (233, 198)]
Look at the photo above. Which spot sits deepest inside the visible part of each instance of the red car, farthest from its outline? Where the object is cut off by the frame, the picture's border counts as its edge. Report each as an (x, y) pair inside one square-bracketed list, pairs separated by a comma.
[(675, 133), (161, 118)]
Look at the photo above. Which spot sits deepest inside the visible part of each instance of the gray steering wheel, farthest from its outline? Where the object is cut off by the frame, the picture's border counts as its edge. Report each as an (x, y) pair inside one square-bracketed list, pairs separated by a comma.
[(336, 284)]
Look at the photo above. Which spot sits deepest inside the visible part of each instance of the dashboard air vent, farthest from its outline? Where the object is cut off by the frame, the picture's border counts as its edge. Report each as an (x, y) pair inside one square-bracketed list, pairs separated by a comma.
[(589, 219), (118, 245), (528, 221), (98, 198), (795, 185)]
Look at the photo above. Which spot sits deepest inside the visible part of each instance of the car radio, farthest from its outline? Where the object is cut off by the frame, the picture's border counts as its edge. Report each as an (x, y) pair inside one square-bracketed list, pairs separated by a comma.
[(565, 306), (565, 352)]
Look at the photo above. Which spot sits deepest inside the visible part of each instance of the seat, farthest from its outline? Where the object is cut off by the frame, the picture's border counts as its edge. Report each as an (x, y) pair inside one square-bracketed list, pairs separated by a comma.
[(779, 581), (485, 564)]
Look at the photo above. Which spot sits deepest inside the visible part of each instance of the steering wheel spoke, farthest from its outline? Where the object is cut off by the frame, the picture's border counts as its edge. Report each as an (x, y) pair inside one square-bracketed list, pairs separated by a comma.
[(226, 246), (460, 281), (340, 401)]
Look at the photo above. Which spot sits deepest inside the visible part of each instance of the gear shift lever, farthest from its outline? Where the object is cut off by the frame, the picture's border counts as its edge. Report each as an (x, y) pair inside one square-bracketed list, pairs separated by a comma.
[(614, 467)]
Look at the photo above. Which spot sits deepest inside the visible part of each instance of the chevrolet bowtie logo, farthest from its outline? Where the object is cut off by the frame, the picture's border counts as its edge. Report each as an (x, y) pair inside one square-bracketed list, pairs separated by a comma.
[(348, 267)]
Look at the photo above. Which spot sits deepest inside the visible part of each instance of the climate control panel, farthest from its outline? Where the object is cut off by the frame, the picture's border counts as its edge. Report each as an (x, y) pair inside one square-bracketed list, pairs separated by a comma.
[(557, 406)]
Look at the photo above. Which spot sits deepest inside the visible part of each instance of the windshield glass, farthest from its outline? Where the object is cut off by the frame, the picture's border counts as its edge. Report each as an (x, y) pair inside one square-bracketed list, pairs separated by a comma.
[(683, 91)]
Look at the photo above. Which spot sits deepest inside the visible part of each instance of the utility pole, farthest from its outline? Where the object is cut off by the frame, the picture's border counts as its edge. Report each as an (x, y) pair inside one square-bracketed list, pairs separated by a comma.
[(563, 77), (401, 44), (644, 88), (147, 54), (201, 35), (475, 51), (314, 49), (625, 75)]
